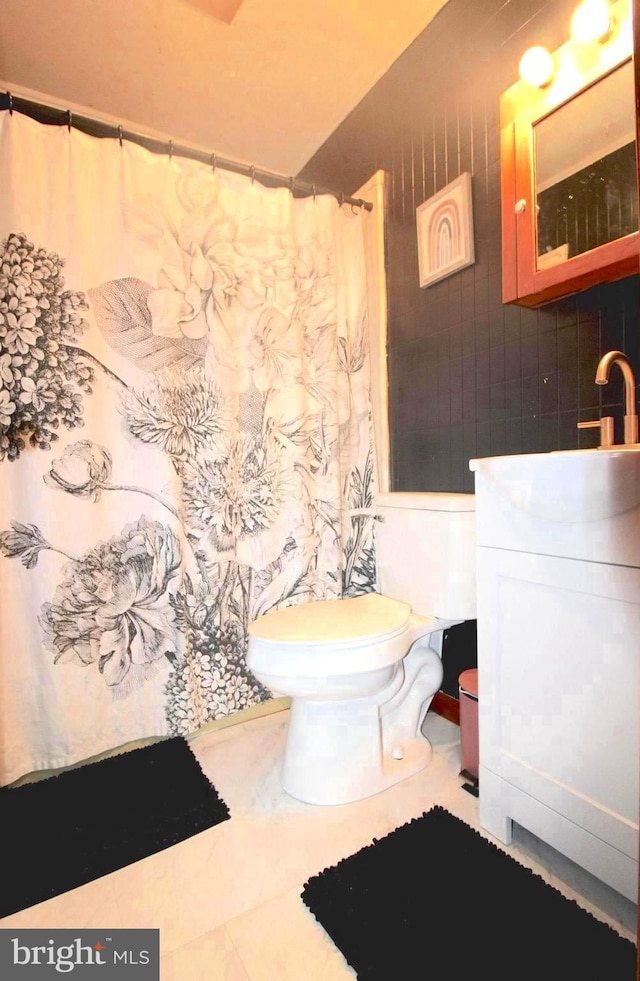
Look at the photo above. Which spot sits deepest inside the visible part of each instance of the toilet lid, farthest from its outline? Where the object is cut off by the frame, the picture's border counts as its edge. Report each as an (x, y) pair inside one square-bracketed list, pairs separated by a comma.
[(361, 618)]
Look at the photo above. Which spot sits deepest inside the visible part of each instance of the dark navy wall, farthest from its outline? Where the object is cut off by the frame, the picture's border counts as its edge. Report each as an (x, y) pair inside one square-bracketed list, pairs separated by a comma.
[(470, 376)]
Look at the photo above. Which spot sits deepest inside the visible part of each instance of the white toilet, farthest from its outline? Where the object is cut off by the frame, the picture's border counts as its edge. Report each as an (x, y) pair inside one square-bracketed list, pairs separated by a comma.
[(362, 672)]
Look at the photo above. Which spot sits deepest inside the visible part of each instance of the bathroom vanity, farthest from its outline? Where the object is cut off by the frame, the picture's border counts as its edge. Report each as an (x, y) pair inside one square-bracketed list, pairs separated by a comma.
[(558, 572)]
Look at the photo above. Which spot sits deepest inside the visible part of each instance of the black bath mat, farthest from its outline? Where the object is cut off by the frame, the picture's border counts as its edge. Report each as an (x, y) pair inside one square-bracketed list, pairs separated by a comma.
[(71, 828), (436, 900)]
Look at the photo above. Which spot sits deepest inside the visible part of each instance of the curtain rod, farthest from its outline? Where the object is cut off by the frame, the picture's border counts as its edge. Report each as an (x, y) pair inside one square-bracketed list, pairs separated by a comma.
[(51, 116)]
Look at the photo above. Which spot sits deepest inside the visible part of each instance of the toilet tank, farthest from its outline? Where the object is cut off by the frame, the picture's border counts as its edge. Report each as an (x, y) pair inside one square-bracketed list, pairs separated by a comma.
[(425, 551)]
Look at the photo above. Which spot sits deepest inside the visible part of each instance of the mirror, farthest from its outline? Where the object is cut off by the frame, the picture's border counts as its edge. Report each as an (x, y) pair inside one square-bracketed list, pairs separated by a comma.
[(585, 170)]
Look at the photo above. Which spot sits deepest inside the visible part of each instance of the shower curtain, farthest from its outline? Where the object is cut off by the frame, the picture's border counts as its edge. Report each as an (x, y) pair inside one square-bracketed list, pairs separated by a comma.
[(185, 435)]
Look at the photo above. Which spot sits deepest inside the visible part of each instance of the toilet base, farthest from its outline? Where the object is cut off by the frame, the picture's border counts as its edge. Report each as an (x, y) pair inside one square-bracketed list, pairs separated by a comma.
[(417, 757), (334, 753)]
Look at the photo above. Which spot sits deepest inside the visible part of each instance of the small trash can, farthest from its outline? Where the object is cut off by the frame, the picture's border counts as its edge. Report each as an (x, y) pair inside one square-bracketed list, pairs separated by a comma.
[(468, 690)]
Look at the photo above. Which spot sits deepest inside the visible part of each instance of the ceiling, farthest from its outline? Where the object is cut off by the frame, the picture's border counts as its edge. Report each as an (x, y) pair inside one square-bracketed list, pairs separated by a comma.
[(264, 82)]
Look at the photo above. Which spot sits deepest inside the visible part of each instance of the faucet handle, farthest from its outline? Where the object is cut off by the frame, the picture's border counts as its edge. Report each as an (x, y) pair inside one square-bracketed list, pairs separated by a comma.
[(605, 425)]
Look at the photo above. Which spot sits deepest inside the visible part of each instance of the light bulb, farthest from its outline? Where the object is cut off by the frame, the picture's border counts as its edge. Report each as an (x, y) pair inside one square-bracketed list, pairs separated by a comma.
[(591, 21), (536, 66)]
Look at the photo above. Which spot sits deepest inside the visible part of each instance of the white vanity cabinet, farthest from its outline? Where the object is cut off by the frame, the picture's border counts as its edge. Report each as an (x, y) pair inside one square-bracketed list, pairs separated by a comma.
[(558, 572)]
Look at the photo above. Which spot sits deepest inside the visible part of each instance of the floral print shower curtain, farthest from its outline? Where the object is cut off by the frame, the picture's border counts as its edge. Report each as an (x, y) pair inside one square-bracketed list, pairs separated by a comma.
[(185, 435)]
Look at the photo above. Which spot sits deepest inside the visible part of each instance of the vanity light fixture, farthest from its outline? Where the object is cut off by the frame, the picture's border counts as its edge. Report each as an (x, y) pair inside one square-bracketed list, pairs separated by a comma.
[(591, 22), (536, 66)]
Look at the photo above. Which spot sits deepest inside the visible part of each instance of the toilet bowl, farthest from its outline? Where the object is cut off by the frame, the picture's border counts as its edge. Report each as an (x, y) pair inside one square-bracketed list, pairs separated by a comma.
[(362, 672)]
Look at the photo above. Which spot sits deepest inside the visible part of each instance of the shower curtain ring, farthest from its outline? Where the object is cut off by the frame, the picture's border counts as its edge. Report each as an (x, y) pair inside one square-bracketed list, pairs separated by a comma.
[(292, 184), (69, 119), (10, 103), (170, 149), (313, 191), (341, 200), (120, 134), (252, 173), (214, 162)]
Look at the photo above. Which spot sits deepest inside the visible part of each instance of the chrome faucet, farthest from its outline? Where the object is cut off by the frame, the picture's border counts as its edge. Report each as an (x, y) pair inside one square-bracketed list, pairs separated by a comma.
[(602, 377)]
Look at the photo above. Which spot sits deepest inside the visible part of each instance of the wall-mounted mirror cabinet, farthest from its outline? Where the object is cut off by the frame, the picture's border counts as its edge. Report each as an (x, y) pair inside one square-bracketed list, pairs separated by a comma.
[(568, 171)]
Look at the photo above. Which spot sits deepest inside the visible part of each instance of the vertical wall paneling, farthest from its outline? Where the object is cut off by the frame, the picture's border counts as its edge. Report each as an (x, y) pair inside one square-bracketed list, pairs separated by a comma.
[(468, 375)]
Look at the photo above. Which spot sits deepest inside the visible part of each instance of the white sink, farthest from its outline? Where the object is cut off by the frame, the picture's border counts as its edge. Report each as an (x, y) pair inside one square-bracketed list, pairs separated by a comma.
[(569, 486)]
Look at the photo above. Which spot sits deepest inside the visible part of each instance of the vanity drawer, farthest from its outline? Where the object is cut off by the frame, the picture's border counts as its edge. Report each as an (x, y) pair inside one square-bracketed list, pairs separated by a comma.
[(576, 504)]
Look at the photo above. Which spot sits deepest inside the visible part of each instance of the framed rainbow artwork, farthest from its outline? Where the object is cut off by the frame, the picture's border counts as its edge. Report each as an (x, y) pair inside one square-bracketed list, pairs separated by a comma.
[(445, 231)]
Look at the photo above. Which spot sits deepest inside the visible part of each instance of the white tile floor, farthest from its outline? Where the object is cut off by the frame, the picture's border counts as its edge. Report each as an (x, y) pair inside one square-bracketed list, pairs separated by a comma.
[(227, 902)]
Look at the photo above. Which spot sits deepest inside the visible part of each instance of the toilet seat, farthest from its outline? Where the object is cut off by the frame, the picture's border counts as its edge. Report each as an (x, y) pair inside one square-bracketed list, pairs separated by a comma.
[(330, 637)]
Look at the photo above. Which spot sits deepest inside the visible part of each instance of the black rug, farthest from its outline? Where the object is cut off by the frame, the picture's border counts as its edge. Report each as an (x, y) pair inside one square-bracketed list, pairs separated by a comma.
[(435, 900), (71, 828)]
